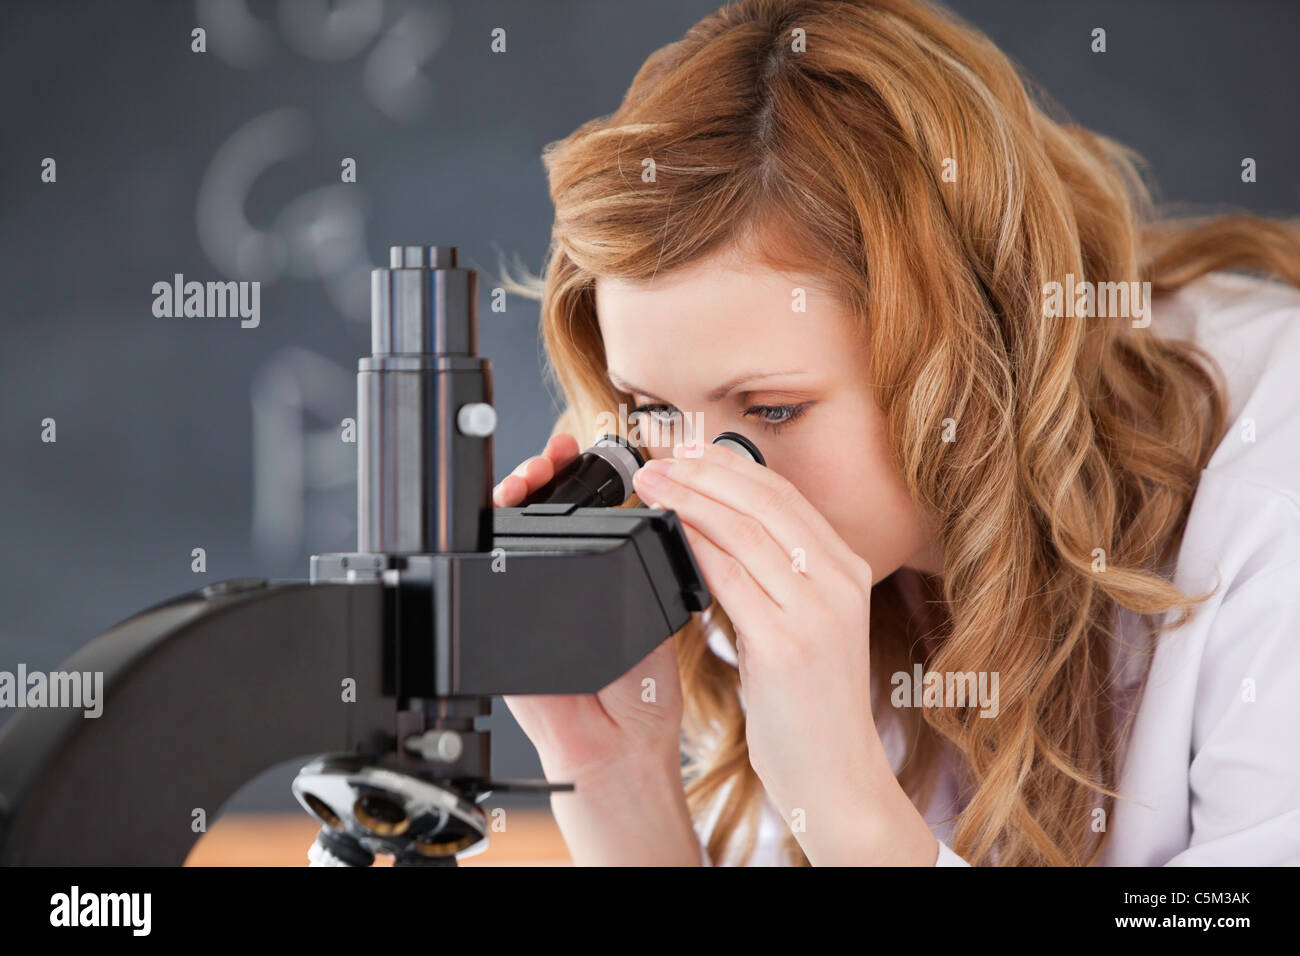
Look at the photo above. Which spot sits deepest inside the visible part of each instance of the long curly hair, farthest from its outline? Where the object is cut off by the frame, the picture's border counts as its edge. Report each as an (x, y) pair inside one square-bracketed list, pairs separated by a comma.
[(894, 150)]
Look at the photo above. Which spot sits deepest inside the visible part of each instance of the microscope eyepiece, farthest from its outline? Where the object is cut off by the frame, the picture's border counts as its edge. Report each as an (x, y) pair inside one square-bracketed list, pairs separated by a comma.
[(738, 443), (600, 477)]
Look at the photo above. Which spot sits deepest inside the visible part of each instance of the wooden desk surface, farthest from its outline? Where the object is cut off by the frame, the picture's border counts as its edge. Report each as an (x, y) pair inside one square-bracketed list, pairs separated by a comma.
[(531, 838)]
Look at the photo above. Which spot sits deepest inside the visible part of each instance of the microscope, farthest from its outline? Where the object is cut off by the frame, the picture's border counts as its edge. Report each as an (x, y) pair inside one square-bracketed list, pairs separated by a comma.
[(375, 669)]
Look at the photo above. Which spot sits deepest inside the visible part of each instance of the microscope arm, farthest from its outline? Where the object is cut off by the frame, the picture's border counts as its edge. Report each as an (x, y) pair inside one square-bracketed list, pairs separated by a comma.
[(200, 695)]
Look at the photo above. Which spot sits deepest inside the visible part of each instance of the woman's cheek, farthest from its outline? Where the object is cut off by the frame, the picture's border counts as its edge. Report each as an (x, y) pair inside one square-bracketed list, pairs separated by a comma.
[(870, 511)]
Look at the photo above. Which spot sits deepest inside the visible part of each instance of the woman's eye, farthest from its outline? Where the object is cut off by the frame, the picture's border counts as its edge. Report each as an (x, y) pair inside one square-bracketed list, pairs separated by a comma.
[(776, 417), (657, 412)]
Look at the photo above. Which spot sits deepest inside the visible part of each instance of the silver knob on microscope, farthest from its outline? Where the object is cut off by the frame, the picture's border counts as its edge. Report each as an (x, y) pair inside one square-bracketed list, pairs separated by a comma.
[(437, 746)]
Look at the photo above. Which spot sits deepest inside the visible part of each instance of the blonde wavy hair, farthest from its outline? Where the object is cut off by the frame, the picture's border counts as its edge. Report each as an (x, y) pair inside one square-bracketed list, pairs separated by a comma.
[(1075, 434)]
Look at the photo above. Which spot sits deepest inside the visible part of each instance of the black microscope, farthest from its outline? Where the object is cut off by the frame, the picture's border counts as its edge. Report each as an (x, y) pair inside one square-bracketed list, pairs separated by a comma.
[(375, 669)]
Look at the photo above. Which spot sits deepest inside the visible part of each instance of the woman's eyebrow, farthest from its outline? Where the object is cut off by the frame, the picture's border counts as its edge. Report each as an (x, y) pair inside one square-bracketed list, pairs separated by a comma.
[(716, 395)]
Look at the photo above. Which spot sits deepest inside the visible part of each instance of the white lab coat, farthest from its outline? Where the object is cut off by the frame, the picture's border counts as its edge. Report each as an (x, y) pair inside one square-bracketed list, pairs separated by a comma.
[(1212, 768)]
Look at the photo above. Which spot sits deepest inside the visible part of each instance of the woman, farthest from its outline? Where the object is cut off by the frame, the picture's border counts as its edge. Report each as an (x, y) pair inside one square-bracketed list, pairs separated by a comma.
[(1020, 583)]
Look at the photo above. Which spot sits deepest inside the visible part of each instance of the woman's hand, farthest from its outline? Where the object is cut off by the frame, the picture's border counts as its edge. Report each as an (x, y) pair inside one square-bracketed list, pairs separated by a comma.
[(800, 600), (630, 719), (620, 747)]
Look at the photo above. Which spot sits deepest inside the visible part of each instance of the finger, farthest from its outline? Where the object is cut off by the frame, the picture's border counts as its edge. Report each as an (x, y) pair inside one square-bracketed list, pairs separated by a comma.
[(535, 471), (753, 488), (509, 492), (747, 605), (771, 539), (770, 505), (561, 449), (739, 535)]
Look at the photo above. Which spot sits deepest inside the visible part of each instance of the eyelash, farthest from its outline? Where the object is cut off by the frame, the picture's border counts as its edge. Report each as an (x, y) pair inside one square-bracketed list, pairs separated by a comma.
[(791, 413)]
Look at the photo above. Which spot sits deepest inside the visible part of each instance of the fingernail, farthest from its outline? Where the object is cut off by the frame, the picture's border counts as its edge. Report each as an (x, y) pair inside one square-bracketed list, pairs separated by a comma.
[(652, 472)]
